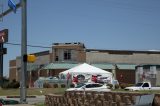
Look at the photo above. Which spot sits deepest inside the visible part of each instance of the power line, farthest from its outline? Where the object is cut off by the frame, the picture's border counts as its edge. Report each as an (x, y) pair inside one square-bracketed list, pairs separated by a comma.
[(18, 44)]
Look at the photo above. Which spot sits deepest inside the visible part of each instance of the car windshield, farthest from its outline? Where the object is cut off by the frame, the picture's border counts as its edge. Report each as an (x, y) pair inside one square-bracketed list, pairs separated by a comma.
[(138, 84), (80, 85)]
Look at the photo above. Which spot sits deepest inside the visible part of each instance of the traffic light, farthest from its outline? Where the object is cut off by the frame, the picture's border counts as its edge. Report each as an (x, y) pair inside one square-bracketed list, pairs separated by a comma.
[(29, 58), (4, 36)]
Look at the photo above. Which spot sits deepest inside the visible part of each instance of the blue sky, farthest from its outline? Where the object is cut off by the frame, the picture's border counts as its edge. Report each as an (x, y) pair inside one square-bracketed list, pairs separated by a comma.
[(99, 24)]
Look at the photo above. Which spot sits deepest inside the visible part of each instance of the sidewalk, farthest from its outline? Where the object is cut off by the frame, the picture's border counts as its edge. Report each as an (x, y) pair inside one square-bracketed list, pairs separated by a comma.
[(19, 105), (30, 101)]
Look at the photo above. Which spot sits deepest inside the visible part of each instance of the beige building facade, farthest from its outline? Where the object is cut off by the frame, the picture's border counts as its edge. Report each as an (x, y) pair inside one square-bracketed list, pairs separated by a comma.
[(63, 56)]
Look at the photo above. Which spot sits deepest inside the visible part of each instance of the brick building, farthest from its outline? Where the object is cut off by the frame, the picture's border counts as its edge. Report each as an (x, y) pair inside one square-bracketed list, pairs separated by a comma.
[(42, 59), (64, 56)]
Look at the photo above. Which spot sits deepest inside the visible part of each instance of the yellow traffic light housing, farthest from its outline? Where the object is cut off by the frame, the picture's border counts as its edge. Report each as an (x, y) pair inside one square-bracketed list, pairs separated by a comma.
[(31, 58)]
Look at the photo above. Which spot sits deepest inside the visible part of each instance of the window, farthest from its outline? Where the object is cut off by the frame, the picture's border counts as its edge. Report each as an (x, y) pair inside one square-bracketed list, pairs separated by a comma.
[(145, 85), (97, 85), (89, 86), (56, 58), (67, 55), (42, 65)]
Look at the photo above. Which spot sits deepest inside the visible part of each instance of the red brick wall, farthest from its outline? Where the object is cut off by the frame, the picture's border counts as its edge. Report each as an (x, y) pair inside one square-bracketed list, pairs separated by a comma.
[(12, 74), (43, 73), (126, 76), (12, 63), (55, 72)]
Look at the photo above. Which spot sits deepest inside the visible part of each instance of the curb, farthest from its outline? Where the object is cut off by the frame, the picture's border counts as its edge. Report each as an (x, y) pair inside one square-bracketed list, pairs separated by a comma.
[(19, 96)]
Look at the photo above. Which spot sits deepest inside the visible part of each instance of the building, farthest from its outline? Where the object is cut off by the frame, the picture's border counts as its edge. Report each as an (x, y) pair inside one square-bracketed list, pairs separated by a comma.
[(64, 56), (148, 73), (42, 59)]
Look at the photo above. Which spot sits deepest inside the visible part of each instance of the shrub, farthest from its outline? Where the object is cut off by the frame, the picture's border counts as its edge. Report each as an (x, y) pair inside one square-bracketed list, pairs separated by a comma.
[(16, 85), (130, 85), (5, 85), (110, 86), (123, 85), (13, 84), (46, 85), (117, 86), (72, 85), (55, 85), (63, 85)]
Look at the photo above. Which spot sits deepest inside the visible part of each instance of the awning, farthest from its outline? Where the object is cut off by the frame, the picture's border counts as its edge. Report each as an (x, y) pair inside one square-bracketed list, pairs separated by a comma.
[(104, 66), (32, 67), (60, 66), (126, 66)]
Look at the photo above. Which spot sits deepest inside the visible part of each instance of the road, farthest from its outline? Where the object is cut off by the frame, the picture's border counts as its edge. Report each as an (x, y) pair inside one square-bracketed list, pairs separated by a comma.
[(30, 101)]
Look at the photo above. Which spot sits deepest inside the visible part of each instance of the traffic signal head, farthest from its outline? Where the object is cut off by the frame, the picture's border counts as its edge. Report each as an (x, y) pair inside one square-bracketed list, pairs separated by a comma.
[(29, 58)]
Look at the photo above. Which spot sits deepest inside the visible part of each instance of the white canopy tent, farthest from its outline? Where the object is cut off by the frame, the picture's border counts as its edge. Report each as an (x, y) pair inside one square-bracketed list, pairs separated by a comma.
[(87, 69)]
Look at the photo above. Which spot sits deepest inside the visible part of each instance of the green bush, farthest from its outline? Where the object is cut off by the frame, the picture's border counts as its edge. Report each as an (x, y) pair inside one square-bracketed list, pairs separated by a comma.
[(63, 85), (72, 85), (55, 85), (124, 85), (16, 85), (13, 84), (110, 86), (117, 86), (46, 85), (5, 85), (130, 85)]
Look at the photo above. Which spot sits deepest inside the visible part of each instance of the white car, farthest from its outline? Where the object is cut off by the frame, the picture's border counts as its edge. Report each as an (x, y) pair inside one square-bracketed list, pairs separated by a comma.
[(142, 86), (90, 87)]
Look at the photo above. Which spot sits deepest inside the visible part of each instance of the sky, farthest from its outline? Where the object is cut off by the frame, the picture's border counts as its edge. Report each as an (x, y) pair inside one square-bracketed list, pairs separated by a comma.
[(99, 24)]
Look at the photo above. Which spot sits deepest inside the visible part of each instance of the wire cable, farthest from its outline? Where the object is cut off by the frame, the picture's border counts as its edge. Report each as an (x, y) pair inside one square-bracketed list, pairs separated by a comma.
[(18, 44)]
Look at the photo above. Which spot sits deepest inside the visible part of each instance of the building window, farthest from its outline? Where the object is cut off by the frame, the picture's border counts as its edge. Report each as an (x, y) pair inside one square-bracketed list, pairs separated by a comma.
[(56, 58), (67, 55), (145, 85)]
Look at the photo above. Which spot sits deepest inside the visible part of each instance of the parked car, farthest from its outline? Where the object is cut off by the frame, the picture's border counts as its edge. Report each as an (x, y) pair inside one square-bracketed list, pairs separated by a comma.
[(102, 79), (90, 87), (142, 86), (8, 102)]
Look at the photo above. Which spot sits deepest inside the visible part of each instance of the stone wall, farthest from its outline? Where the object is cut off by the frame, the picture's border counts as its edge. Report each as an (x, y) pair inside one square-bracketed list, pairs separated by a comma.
[(95, 99)]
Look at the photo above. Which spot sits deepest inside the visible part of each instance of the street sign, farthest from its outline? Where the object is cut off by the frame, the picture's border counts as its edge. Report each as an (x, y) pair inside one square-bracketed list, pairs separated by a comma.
[(12, 5), (4, 36)]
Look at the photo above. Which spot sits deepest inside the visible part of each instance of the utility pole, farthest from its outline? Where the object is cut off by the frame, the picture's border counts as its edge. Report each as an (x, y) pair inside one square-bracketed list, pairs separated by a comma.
[(3, 39), (1, 64), (23, 91), (23, 5), (114, 74)]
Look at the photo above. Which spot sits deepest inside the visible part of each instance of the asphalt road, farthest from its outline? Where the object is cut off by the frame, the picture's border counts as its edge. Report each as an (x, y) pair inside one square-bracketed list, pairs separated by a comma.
[(30, 101)]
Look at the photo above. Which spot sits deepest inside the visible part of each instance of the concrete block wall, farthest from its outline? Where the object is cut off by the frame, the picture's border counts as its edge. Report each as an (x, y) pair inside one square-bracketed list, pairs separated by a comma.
[(95, 99)]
